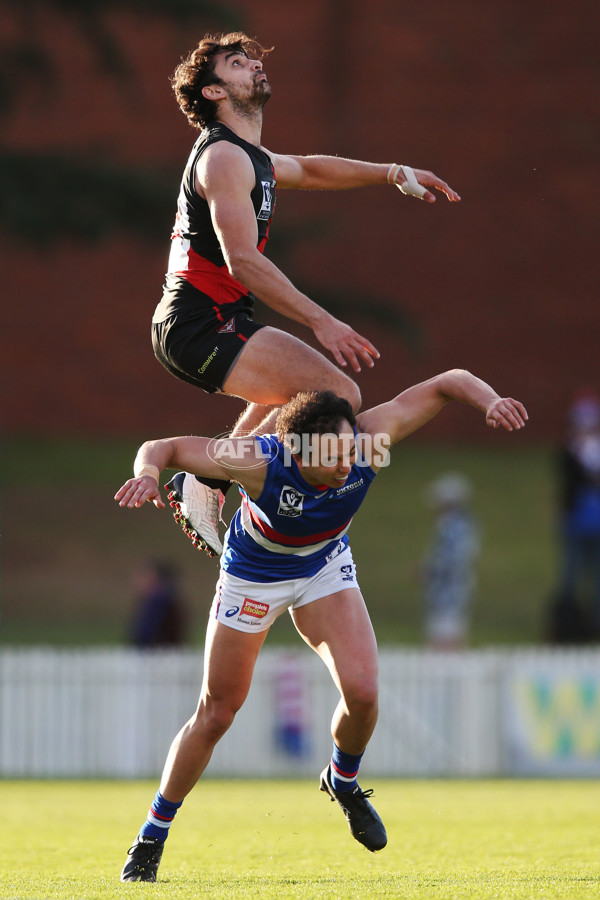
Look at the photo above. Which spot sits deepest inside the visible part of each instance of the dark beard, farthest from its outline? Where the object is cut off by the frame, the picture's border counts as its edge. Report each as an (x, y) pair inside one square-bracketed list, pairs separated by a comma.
[(249, 104)]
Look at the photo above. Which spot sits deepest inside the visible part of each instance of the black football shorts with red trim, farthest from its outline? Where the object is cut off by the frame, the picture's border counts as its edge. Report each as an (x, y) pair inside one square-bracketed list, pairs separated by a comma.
[(202, 349)]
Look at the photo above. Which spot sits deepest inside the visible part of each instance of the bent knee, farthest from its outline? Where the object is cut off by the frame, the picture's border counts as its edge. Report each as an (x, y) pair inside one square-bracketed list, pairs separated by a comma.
[(362, 698), (355, 398), (213, 719), (349, 390)]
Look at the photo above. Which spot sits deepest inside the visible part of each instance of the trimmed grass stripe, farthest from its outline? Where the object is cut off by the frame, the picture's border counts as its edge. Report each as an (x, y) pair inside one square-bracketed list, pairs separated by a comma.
[(479, 839)]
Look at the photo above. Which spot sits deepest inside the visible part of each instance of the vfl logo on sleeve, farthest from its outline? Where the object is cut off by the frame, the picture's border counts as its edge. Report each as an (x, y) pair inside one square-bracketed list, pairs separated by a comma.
[(267, 201), (291, 502), (254, 608)]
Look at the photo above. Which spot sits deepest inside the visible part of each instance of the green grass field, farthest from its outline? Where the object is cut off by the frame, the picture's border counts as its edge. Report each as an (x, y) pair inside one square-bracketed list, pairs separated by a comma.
[(69, 551), (274, 839)]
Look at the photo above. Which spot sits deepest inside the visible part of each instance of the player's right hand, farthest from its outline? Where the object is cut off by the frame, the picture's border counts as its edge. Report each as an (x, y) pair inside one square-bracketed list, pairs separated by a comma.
[(506, 413), (137, 491), (345, 344)]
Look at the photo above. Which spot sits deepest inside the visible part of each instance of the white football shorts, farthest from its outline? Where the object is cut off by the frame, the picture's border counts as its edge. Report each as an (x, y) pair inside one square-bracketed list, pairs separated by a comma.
[(253, 606)]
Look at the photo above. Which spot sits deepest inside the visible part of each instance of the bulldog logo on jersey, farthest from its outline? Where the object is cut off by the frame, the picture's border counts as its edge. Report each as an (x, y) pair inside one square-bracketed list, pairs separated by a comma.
[(291, 502), (267, 201), (347, 572)]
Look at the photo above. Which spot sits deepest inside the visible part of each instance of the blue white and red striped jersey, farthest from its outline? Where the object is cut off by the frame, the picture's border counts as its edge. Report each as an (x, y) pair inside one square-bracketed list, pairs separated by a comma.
[(293, 528)]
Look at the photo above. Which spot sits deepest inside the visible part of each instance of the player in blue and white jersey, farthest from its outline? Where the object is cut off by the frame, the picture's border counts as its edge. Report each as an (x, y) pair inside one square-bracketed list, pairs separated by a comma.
[(287, 548)]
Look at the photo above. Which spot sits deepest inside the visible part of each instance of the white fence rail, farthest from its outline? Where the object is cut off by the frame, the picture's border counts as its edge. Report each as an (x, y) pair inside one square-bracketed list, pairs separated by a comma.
[(114, 712)]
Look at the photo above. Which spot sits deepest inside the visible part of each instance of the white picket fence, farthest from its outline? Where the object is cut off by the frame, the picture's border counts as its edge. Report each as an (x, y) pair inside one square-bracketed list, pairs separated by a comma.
[(114, 712)]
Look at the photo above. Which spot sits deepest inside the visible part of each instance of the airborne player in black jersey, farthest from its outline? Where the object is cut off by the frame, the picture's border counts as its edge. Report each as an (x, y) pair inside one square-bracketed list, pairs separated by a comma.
[(203, 331)]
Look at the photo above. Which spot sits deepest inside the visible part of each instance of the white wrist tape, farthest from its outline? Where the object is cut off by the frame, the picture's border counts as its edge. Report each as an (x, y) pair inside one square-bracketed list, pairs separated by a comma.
[(392, 172), (410, 186), (148, 469)]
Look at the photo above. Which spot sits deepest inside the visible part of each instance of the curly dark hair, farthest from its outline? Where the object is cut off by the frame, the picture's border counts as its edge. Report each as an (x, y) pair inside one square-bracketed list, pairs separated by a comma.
[(197, 70), (313, 412)]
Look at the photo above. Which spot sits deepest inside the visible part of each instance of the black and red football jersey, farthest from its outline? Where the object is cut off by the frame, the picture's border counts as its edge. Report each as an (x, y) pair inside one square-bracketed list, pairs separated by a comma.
[(196, 258)]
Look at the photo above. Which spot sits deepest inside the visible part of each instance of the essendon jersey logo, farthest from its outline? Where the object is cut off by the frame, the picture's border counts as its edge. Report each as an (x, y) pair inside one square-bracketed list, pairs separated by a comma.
[(254, 608), (227, 327)]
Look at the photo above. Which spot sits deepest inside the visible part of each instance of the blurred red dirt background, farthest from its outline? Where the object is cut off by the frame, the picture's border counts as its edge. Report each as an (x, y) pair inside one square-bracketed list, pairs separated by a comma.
[(495, 98)]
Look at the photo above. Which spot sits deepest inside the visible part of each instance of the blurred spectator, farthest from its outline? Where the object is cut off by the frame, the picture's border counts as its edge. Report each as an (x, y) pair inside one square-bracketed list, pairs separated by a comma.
[(291, 708), (576, 611), (159, 618), (448, 567)]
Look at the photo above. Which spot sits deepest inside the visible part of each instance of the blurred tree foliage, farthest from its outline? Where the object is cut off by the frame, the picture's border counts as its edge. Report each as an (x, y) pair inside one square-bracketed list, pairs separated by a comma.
[(25, 60), (346, 302), (48, 196)]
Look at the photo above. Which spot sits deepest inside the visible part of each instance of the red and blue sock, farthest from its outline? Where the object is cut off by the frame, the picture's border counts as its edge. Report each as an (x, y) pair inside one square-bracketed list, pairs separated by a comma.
[(344, 770), (160, 818)]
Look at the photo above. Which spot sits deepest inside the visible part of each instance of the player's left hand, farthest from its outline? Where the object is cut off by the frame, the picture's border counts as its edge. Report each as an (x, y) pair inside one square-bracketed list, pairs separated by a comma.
[(505, 412), (428, 180), (137, 491)]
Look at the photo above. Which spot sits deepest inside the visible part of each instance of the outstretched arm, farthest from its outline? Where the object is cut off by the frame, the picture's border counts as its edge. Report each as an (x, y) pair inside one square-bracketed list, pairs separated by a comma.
[(417, 405), (333, 173), (231, 459), (225, 178)]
